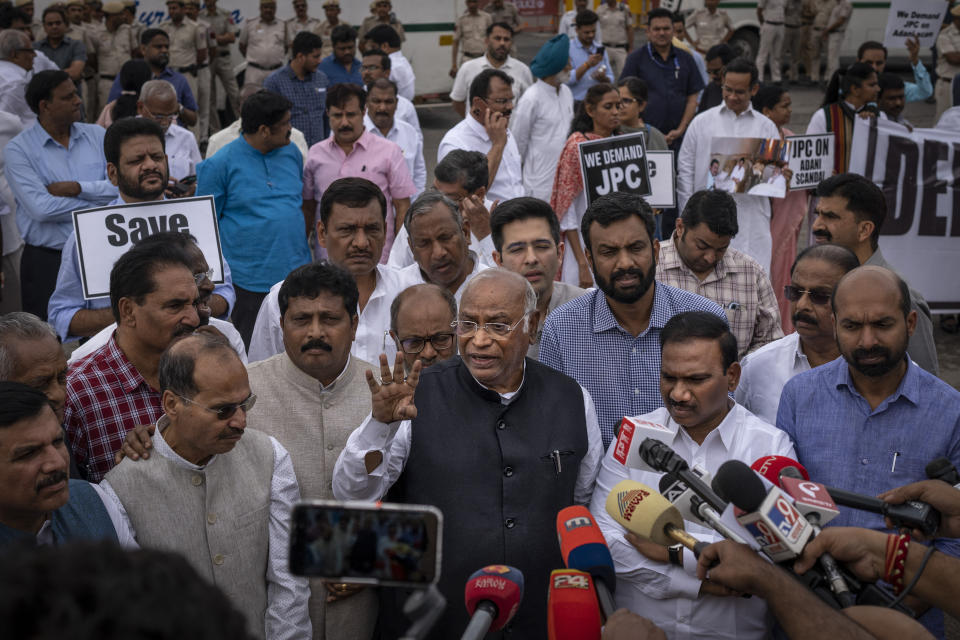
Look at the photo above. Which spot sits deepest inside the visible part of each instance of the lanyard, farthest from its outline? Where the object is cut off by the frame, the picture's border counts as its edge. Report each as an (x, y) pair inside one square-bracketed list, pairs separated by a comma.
[(676, 62)]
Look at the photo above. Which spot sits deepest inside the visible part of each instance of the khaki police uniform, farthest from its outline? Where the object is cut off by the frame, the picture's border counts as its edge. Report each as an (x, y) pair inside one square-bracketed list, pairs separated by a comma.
[(112, 50), (325, 30), (615, 24), (265, 45), (710, 28), (186, 40), (821, 12), (294, 26), (470, 31)]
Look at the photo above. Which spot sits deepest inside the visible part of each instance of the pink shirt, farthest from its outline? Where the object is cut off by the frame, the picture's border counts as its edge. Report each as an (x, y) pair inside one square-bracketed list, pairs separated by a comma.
[(374, 158)]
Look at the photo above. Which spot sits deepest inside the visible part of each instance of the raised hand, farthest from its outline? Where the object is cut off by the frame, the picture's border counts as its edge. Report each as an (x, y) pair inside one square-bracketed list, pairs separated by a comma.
[(392, 397)]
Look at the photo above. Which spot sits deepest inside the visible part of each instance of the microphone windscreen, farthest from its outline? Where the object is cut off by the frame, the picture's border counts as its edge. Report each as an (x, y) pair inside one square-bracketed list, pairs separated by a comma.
[(498, 584), (573, 612), (643, 511), (771, 466), (737, 483), (583, 546), (942, 469), (666, 481)]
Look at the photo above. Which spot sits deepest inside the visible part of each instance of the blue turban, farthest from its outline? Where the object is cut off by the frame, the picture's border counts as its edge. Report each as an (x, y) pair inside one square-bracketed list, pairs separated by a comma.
[(552, 57)]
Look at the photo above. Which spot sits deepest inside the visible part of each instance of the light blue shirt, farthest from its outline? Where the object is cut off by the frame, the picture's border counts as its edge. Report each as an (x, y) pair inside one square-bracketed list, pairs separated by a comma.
[(34, 160), (922, 89), (579, 55), (844, 443), (68, 298), (258, 198)]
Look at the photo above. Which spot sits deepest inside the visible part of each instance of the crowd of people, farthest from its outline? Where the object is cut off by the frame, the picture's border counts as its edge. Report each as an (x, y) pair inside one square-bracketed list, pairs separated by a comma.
[(470, 341)]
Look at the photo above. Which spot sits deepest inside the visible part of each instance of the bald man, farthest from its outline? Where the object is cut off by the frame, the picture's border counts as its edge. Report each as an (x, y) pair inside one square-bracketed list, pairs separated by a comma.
[(872, 420), (420, 319)]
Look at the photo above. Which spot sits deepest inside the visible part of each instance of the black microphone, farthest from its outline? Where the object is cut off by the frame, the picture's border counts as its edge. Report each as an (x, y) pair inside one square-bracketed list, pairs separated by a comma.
[(912, 514), (664, 459), (692, 507), (942, 469)]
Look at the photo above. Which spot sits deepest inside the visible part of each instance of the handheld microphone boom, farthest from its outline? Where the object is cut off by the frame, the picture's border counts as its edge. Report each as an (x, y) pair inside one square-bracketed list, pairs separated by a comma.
[(572, 609), (584, 548), (692, 507), (643, 511), (492, 597), (664, 459)]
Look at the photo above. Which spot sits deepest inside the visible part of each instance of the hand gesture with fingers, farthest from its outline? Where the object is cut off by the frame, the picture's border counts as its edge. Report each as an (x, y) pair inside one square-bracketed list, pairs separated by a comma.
[(392, 396), (496, 126)]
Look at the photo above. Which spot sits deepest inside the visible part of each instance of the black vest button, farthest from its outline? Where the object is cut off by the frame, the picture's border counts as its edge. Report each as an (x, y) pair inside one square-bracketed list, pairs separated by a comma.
[(508, 471), (510, 523), (501, 425)]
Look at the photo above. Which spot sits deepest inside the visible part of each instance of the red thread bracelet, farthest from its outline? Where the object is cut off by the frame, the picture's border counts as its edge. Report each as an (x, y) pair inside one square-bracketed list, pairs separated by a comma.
[(896, 558)]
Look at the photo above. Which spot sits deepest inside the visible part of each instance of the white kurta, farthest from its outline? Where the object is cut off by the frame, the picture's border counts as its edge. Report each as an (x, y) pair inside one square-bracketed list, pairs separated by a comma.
[(693, 165), (540, 124), (470, 135)]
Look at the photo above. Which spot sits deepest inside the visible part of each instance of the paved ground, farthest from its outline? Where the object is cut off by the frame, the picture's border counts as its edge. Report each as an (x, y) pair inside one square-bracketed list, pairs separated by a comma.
[(436, 119)]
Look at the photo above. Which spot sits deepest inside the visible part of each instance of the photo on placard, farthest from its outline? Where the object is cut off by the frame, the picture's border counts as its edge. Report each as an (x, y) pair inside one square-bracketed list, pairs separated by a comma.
[(749, 166)]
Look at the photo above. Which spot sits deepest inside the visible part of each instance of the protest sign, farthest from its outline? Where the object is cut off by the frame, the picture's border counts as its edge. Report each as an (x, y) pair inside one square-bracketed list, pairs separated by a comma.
[(919, 19), (614, 164), (748, 166), (919, 173), (663, 180), (106, 233), (810, 158)]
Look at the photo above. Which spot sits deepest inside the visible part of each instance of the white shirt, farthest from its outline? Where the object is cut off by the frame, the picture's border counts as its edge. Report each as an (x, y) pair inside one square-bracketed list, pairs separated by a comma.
[(408, 113), (950, 119), (411, 143), (693, 165), (351, 481), (124, 536), (540, 124), (665, 593), (471, 136), (402, 256), (470, 69), (287, 616), (372, 327), (13, 86), (766, 371), (103, 336), (230, 133), (414, 273), (402, 73), (183, 155), (818, 121), (10, 126)]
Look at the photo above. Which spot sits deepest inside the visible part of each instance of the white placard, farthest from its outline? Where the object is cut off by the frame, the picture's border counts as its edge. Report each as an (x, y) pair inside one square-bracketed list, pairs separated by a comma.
[(663, 180), (106, 233), (919, 19), (810, 158)]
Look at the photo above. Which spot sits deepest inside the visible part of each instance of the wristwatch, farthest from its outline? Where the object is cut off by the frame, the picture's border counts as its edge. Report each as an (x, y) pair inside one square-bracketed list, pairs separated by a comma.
[(675, 554)]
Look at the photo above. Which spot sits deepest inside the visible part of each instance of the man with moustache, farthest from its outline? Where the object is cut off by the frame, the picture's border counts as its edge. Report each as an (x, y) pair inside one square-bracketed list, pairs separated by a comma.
[(214, 491), (473, 436), (607, 340), (850, 212), (352, 229), (135, 150), (814, 275), (342, 65), (38, 502), (420, 318), (498, 42), (883, 416), (305, 86), (381, 120), (375, 64), (526, 235), (153, 297)]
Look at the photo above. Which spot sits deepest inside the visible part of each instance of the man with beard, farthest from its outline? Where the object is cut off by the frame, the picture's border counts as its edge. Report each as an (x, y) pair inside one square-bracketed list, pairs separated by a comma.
[(420, 318), (872, 420), (607, 340), (499, 39), (135, 152), (588, 57), (892, 98), (698, 371), (153, 297), (498, 442), (342, 65), (381, 120), (850, 212), (814, 275)]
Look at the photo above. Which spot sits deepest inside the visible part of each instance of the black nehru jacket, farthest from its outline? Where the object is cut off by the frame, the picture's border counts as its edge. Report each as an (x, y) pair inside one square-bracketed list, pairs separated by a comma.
[(488, 467)]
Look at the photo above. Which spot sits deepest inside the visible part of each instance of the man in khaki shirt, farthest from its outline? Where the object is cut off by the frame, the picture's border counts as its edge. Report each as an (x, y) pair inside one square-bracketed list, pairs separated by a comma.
[(711, 25), (948, 61), (469, 35), (301, 21), (202, 131), (504, 11), (112, 46), (223, 34), (821, 10), (263, 43), (382, 14), (76, 30), (188, 44), (36, 27), (616, 25), (130, 16), (332, 10)]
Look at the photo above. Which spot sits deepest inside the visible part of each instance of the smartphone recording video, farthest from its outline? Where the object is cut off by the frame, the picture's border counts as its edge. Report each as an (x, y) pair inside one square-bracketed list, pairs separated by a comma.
[(388, 544)]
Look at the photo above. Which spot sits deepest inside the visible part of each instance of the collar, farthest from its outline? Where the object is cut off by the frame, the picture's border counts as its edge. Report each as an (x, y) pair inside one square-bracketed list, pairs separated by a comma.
[(166, 73), (908, 388), (655, 55), (300, 378), (505, 398), (476, 128), (726, 430), (372, 128), (363, 142), (660, 313), (45, 136), (670, 259), (876, 258), (116, 361), (46, 42), (579, 45), (161, 447), (798, 354), (749, 111)]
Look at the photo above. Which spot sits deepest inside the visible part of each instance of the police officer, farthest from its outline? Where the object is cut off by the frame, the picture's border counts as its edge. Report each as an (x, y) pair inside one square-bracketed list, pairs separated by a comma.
[(188, 45), (111, 47), (301, 21), (616, 25), (263, 43), (222, 34)]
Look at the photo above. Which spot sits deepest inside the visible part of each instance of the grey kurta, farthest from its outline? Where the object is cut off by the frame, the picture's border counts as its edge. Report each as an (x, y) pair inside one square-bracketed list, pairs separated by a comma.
[(313, 424)]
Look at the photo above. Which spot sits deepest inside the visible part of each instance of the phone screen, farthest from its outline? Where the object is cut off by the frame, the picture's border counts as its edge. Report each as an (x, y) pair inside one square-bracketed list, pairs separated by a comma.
[(600, 50), (389, 544)]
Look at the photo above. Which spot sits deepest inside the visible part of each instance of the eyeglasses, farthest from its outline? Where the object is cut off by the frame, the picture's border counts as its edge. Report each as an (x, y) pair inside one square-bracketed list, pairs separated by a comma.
[(440, 342), (496, 330), (200, 276), (500, 102), (626, 101), (226, 411), (161, 119), (818, 298), (371, 67)]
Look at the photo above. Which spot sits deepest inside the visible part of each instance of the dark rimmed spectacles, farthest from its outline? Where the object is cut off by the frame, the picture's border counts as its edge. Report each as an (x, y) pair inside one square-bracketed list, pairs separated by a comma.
[(794, 294), (226, 411), (440, 342)]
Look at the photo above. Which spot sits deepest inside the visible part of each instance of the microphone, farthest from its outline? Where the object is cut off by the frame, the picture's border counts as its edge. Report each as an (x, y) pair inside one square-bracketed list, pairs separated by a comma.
[(770, 467), (664, 459), (643, 511), (492, 597), (631, 433), (584, 548), (942, 469), (572, 609), (770, 517), (912, 514), (692, 507)]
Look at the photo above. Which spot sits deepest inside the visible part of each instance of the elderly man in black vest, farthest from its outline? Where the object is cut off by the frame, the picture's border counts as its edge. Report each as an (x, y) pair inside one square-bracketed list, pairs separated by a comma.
[(498, 442)]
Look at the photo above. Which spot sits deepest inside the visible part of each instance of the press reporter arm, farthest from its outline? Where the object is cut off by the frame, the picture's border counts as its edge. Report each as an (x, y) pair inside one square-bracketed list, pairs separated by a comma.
[(938, 494), (626, 625)]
